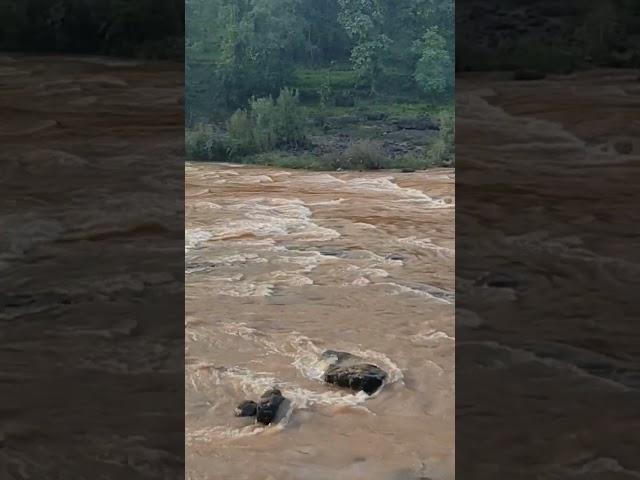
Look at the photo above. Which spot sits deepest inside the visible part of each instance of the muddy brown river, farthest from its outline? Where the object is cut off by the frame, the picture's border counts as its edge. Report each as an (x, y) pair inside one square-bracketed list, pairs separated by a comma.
[(92, 268), (547, 367), (281, 265)]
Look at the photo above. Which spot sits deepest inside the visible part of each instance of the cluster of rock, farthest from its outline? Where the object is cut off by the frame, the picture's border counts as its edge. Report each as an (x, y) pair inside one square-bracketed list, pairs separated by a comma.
[(396, 137), (349, 371), (345, 370), (265, 410)]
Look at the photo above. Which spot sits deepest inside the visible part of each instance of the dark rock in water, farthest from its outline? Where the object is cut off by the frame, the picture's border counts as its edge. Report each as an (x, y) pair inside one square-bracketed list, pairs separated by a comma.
[(498, 280), (623, 147), (528, 75), (247, 408), (360, 377), (394, 256), (330, 253), (349, 371), (339, 357), (408, 170), (268, 406)]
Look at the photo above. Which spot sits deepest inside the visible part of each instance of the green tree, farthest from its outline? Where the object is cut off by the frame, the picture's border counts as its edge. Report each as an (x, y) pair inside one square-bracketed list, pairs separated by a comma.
[(363, 20), (435, 67)]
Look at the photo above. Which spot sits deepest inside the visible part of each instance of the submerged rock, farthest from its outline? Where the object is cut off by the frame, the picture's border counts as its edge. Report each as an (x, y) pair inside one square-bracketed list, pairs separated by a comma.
[(350, 371), (268, 406), (247, 408), (623, 147)]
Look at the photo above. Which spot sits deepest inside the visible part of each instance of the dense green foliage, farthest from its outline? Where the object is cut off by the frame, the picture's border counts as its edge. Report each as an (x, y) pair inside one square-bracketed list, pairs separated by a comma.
[(266, 124), (237, 49), (140, 28), (548, 35), (434, 67), (310, 84)]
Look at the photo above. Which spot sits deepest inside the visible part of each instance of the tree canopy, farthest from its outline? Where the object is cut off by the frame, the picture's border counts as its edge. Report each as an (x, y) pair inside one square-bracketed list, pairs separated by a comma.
[(242, 48)]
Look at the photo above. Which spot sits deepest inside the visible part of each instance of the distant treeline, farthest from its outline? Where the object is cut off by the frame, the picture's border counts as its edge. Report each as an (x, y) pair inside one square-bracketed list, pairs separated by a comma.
[(547, 35), (133, 28), (242, 48)]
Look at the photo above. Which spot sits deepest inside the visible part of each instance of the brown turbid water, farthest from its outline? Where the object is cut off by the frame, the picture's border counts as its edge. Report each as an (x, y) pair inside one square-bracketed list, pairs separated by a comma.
[(91, 338), (548, 360), (281, 265)]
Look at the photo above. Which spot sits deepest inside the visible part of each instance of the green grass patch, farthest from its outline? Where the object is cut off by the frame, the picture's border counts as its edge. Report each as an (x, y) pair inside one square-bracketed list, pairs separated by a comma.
[(281, 159), (364, 109), (335, 78)]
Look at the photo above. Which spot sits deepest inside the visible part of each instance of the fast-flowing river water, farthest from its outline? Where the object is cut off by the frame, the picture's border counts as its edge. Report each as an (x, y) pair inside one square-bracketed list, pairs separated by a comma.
[(547, 364), (281, 265)]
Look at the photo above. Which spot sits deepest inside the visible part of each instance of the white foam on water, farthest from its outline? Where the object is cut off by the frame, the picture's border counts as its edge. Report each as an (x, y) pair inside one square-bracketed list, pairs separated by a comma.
[(290, 279), (307, 356), (379, 260), (239, 258), (386, 185), (520, 355), (253, 179), (606, 465), (377, 185), (374, 272), (321, 179), (571, 247), (253, 384), (205, 206), (364, 225), (399, 289), (327, 203), (22, 234), (232, 165), (211, 434), (276, 218), (394, 373), (309, 361), (194, 238), (425, 244), (365, 275), (264, 243), (475, 110), (197, 193), (431, 337), (309, 260), (237, 288), (49, 158)]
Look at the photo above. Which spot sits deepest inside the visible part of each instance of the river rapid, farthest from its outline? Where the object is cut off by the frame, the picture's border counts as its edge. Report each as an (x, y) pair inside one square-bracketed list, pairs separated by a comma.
[(547, 192), (281, 265)]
